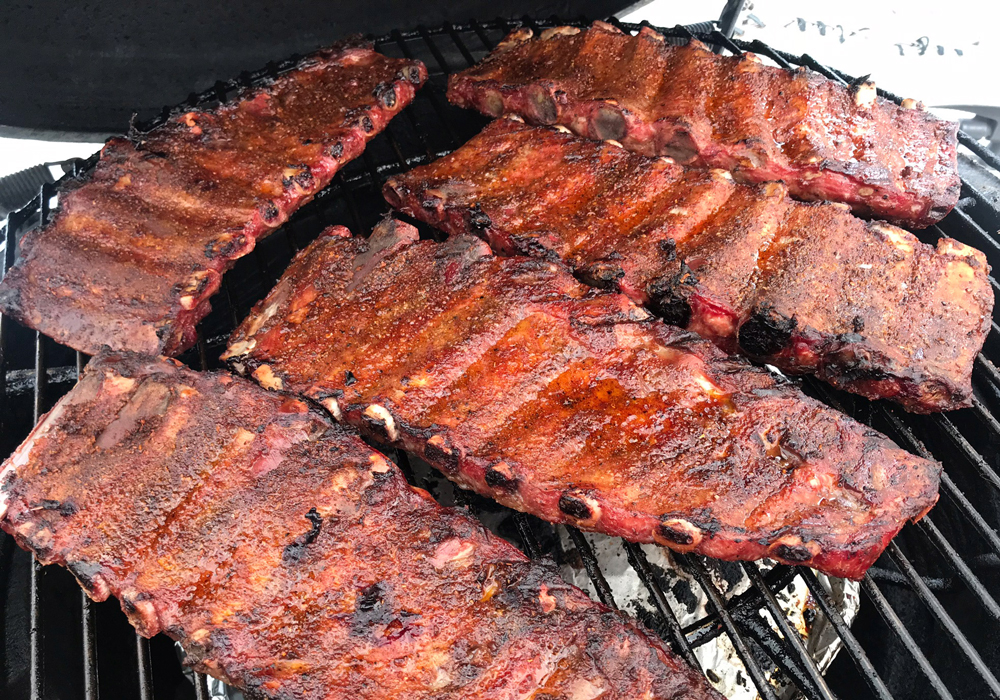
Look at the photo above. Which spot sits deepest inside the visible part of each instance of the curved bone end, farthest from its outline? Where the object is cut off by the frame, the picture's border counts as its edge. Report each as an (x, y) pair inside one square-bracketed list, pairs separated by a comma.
[(559, 31), (267, 378), (515, 38), (381, 415), (580, 507), (141, 613), (865, 94), (790, 549), (678, 534)]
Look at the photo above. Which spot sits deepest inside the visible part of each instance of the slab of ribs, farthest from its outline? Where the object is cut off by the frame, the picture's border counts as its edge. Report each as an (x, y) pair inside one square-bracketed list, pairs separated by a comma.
[(825, 140), (293, 561), (138, 246), (575, 405), (807, 287)]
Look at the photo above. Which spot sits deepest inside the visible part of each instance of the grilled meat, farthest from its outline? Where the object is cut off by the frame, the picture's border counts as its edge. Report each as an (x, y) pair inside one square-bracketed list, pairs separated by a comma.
[(518, 382), (806, 287), (293, 561), (824, 140), (139, 246)]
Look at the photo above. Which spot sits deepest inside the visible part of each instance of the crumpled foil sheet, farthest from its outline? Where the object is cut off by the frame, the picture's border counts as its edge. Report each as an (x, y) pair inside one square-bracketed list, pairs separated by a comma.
[(725, 669)]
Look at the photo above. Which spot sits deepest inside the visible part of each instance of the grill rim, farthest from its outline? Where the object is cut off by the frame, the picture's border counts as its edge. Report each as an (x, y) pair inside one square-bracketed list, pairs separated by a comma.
[(734, 618)]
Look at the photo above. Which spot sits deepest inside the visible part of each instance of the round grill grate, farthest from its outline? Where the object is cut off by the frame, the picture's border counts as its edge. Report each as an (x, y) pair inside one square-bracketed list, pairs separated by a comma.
[(929, 620)]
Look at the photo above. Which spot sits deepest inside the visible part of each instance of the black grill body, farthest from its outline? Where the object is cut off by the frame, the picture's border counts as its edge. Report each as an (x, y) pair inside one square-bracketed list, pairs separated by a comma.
[(929, 624)]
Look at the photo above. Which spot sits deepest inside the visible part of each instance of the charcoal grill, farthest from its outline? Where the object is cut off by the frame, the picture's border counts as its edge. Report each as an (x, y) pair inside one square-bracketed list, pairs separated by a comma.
[(929, 624)]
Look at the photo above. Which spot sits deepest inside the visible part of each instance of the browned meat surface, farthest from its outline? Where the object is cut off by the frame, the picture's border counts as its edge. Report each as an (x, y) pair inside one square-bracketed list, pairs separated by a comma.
[(824, 140), (293, 561), (518, 382), (139, 246), (806, 287)]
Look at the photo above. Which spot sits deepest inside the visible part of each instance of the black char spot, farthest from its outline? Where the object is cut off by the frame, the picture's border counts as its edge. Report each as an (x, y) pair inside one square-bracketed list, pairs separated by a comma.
[(269, 211), (349, 378), (478, 219), (371, 607), (601, 274), (498, 480), (63, 507), (676, 536), (293, 552), (385, 93), (793, 554), (574, 507), (766, 332), (442, 457), (668, 299)]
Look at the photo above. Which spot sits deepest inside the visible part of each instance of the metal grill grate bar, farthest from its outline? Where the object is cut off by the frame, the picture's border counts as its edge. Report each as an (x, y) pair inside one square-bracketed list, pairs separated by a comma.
[(819, 687), (889, 615), (36, 670), (145, 670), (637, 559), (968, 510), (696, 567), (854, 649), (945, 620), (593, 568), (964, 572)]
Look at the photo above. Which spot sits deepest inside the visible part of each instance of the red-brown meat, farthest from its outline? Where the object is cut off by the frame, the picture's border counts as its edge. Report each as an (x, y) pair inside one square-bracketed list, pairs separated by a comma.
[(518, 382), (136, 250), (293, 561), (806, 287), (824, 140)]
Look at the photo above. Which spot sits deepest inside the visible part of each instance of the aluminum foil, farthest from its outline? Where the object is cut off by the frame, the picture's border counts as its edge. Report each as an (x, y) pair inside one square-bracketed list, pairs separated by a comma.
[(689, 603)]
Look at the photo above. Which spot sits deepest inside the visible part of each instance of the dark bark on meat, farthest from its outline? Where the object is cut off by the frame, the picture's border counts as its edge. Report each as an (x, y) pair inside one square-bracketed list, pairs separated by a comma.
[(578, 407), (293, 561), (806, 287), (763, 123), (136, 250)]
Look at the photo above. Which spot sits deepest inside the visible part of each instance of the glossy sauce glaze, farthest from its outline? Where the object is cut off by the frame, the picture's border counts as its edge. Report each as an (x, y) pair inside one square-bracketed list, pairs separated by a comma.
[(517, 381)]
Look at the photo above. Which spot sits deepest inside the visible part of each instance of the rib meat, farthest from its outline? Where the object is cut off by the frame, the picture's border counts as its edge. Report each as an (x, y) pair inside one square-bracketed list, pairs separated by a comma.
[(806, 287), (824, 140), (293, 561), (518, 382), (138, 247)]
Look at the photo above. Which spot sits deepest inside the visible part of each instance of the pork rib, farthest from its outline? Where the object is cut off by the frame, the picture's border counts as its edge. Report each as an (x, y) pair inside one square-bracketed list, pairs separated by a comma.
[(293, 561), (138, 247), (806, 287), (518, 382), (824, 140)]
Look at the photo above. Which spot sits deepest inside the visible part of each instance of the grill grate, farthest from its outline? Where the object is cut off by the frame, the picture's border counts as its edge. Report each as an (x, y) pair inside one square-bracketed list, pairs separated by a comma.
[(929, 621)]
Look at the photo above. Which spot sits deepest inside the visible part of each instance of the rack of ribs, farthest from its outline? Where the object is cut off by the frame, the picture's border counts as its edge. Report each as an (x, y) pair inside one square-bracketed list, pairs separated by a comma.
[(826, 141), (577, 406), (139, 245), (293, 561), (806, 287)]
